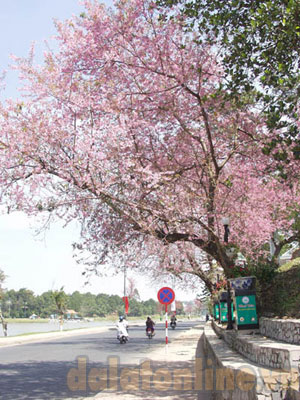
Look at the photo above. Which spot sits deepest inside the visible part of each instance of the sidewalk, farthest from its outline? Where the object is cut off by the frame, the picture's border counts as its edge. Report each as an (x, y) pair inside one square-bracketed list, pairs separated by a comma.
[(170, 373)]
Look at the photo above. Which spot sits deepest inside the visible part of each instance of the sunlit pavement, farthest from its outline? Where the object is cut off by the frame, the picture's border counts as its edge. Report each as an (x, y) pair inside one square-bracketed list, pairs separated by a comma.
[(168, 372), (39, 367)]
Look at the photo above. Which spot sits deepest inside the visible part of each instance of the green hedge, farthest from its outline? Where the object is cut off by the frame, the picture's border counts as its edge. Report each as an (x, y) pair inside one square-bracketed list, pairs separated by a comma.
[(283, 297)]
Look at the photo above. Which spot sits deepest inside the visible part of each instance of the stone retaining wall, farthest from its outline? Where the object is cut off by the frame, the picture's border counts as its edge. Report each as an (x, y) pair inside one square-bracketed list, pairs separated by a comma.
[(260, 352), (267, 384), (280, 329)]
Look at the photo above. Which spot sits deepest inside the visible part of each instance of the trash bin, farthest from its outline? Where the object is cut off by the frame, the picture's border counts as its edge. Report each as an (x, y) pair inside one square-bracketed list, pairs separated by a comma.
[(216, 310), (224, 308)]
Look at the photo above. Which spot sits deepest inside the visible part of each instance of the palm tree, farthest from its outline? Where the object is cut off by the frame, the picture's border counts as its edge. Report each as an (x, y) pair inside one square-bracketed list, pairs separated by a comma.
[(60, 299)]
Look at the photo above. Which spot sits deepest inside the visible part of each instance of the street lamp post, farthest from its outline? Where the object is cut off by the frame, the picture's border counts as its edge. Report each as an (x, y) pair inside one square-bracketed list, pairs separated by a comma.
[(225, 222), (230, 322), (125, 292)]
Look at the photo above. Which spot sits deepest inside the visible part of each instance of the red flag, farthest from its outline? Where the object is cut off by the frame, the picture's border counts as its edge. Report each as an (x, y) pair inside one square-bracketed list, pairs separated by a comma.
[(126, 302)]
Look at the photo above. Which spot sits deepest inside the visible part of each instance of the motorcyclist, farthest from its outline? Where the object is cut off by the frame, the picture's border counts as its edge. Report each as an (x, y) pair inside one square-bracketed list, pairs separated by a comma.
[(125, 322), (150, 325), (173, 319), (122, 325)]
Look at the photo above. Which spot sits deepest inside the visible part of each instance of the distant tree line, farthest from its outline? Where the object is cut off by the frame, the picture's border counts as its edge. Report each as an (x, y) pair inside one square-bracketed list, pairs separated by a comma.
[(23, 303)]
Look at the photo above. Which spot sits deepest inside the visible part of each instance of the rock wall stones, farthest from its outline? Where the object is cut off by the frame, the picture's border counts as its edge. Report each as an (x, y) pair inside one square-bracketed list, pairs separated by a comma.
[(271, 384), (261, 350), (280, 329)]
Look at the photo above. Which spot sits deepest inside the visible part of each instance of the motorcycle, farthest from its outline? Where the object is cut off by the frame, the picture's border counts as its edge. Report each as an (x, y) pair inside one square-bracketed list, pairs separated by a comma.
[(150, 333), (123, 339), (173, 324), (122, 334)]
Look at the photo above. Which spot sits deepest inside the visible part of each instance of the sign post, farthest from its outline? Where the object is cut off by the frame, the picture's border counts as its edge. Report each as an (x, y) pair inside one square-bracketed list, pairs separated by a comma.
[(166, 296)]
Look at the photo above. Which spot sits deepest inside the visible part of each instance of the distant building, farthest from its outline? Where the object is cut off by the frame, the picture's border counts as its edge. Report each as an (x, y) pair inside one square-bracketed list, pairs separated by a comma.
[(290, 254), (71, 314)]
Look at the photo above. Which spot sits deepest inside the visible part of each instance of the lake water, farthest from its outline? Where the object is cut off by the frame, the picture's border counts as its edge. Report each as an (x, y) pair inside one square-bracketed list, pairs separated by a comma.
[(14, 329)]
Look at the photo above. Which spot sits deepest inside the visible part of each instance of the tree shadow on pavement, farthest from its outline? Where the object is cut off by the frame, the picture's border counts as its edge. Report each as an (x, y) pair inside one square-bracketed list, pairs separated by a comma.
[(43, 381), (163, 380), (147, 380), (38, 381)]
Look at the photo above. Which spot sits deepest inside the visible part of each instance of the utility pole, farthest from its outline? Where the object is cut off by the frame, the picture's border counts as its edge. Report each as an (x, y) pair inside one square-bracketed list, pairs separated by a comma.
[(125, 291), (125, 273)]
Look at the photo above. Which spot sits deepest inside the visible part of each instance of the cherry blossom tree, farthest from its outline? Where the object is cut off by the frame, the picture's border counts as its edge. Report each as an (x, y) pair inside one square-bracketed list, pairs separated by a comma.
[(180, 262), (132, 289), (124, 129)]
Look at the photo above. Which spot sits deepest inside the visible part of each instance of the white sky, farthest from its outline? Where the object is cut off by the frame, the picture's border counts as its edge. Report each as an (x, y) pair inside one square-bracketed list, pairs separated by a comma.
[(42, 264)]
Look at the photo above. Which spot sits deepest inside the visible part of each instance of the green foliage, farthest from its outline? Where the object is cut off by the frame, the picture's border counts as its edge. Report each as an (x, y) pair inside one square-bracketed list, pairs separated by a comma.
[(2, 279), (264, 271), (23, 303), (60, 299), (259, 42), (44, 305), (295, 216), (283, 297)]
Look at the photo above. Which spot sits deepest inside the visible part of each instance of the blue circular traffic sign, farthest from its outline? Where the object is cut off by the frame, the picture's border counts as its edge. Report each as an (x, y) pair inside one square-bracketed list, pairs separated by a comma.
[(166, 295)]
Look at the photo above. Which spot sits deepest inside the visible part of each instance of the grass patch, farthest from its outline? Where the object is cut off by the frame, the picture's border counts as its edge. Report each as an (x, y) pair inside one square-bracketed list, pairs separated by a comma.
[(56, 331), (26, 320)]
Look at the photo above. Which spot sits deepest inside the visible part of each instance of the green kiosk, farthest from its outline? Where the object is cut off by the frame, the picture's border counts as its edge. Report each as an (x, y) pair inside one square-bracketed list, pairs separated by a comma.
[(244, 299), (224, 308), (216, 310)]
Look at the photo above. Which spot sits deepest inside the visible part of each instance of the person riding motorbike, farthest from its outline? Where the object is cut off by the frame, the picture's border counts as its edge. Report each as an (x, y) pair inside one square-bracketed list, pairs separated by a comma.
[(122, 325), (125, 322), (150, 325), (173, 320)]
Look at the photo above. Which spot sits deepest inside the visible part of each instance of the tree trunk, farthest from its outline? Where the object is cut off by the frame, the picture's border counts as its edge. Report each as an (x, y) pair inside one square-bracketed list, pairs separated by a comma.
[(4, 324), (61, 321)]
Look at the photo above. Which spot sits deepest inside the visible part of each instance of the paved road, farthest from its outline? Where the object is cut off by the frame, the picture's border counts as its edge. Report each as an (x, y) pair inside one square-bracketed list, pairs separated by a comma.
[(38, 371)]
